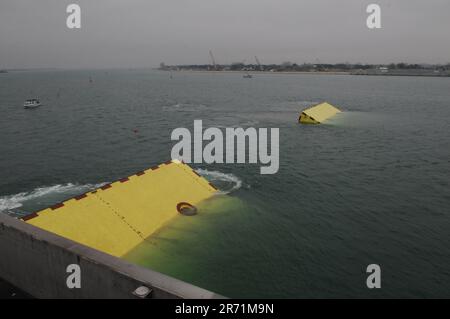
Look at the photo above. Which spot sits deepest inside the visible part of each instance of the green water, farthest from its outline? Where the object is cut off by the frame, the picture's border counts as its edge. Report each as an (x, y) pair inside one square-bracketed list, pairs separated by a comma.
[(370, 186)]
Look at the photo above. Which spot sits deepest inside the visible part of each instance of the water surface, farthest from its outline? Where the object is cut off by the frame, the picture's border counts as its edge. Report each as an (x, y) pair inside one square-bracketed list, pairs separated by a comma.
[(370, 186)]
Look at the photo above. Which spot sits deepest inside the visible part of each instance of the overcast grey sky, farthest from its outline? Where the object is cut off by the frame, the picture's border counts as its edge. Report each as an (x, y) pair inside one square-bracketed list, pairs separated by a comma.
[(143, 33)]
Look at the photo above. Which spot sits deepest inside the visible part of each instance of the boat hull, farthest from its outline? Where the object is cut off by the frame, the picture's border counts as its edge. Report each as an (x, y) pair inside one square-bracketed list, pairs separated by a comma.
[(32, 106)]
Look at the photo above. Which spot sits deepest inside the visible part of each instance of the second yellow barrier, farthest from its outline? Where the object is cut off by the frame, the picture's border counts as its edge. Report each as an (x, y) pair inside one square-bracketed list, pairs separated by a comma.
[(318, 113)]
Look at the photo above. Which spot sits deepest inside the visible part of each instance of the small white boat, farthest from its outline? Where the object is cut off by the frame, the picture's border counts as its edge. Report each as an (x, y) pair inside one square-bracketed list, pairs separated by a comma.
[(31, 104), (247, 76)]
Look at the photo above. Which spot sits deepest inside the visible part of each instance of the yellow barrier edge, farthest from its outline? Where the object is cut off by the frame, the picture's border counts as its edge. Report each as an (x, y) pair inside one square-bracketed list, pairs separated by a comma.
[(109, 185)]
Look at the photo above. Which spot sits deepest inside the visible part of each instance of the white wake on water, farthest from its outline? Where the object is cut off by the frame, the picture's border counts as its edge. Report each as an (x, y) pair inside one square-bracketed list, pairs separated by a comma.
[(226, 183), (187, 107), (55, 193), (49, 195)]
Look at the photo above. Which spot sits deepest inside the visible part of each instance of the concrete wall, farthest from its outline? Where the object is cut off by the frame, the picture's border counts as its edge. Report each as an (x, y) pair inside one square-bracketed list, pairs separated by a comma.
[(35, 261)]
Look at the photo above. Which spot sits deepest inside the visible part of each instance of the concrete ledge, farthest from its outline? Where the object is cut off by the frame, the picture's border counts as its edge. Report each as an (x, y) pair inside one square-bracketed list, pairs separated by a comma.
[(35, 261), (8, 291)]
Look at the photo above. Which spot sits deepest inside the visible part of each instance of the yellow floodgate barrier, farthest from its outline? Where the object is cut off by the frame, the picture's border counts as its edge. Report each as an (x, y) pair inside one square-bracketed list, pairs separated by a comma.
[(119, 216), (318, 113)]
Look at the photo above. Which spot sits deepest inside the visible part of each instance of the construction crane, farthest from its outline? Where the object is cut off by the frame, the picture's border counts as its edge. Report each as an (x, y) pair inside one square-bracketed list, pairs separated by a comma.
[(259, 63), (213, 60)]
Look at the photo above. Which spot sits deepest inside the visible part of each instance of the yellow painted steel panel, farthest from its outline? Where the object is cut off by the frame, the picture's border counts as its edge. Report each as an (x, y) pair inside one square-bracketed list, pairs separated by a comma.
[(90, 222), (117, 217), (318, 113), (305, 119)]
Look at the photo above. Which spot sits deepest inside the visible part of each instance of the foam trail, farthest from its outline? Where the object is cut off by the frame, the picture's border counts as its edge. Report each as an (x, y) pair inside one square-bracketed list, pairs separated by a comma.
[(187, 107), (43, 194), (226, 183)]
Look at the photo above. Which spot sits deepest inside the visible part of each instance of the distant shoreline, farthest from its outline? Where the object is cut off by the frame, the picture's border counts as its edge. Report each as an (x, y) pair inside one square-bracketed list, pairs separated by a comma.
[(263, 72), (309, 73), (403, 73)]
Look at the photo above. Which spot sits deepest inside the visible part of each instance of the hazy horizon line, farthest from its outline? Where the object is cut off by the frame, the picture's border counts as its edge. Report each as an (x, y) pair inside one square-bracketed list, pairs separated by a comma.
[(188, 64)]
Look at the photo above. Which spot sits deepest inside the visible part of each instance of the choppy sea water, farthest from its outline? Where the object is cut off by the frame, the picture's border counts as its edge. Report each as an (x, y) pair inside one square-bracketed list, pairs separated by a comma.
[(370, 186)]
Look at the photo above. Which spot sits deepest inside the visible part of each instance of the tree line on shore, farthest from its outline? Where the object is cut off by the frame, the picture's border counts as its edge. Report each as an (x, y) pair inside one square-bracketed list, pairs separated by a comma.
[(305, 67)]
